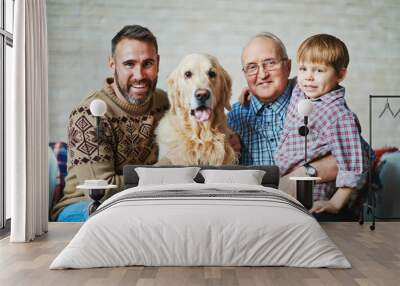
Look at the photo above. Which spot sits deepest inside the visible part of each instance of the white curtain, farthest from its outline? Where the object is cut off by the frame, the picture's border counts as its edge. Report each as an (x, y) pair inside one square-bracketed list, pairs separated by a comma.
[(26, 123)]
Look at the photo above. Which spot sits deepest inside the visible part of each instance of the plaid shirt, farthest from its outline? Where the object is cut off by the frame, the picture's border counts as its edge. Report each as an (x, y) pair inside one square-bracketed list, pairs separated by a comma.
[(259, 126), (334, 129)]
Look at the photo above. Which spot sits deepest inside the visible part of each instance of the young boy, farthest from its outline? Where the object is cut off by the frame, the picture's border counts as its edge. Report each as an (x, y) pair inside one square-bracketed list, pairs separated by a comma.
[(334, 128)]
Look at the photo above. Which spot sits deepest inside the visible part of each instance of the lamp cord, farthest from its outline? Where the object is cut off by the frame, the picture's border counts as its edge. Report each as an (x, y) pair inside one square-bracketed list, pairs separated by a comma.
[(98, 134), (305, 139)]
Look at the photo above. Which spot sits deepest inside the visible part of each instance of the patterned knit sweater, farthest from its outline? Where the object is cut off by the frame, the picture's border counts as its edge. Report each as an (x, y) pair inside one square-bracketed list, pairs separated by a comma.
[(126, 137)]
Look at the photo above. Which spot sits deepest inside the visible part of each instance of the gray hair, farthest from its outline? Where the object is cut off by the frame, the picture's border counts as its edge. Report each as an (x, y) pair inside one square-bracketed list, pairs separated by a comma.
[(271, 36)]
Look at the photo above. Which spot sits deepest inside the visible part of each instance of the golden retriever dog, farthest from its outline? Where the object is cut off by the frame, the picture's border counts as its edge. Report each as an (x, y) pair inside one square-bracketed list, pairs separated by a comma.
[(194, 131)]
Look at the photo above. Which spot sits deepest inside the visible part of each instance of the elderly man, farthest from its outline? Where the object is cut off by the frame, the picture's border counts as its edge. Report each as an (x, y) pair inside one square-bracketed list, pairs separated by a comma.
[(259, 122), (134, 108)]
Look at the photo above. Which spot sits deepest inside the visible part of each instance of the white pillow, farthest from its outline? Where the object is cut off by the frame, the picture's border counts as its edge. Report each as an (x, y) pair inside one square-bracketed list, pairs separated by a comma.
[(164, 176), (249, 177)]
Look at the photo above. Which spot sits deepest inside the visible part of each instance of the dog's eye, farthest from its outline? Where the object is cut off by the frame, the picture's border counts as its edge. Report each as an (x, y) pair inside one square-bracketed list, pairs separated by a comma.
[(212, 74), (188, 74)]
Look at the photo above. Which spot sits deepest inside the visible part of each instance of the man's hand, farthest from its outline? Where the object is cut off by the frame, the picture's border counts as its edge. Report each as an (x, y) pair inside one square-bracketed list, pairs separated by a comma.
[(245, 96), (327, 169), (234, 141), (324, 206)]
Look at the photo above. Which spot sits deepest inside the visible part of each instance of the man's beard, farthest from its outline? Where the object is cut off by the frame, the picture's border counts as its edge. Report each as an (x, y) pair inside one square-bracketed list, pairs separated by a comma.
[(132, 100)]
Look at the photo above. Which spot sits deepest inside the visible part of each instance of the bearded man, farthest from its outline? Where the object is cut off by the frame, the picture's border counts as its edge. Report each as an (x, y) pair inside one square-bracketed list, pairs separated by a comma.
[(134, 108)]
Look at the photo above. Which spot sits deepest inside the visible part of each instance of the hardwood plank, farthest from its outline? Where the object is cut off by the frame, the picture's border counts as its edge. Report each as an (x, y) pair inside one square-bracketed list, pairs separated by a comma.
[(374, 255)]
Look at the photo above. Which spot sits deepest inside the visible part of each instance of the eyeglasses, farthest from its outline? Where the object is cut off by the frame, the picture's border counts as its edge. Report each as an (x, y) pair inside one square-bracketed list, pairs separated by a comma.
[(268, 64)]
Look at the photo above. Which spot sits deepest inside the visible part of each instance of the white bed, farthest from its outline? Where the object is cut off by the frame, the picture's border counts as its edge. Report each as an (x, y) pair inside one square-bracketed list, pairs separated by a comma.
[(203, 225)]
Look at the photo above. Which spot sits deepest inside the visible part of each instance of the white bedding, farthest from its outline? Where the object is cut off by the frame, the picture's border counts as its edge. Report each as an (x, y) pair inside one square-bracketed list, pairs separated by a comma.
[(263, 229)]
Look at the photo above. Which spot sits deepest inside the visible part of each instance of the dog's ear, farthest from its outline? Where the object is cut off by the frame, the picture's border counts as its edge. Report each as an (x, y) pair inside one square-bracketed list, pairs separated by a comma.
[(226, 88), (172, 89)]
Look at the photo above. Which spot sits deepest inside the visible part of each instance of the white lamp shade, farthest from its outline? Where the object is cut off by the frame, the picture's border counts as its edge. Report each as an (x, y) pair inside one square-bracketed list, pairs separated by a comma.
[(98, 107), (305, 107)]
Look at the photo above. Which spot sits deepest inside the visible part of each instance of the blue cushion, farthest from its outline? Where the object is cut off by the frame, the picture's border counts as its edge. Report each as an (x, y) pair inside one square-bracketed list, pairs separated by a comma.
[(61, 155), (75, 212), (388, 197), (53, 174)]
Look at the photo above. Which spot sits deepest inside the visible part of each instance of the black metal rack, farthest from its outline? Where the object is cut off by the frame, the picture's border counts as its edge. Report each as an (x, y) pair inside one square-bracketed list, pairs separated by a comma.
[(371, 199)]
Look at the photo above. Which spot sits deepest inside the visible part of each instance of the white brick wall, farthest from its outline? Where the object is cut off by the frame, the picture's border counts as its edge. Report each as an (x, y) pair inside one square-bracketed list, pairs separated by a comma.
[(80, 32)]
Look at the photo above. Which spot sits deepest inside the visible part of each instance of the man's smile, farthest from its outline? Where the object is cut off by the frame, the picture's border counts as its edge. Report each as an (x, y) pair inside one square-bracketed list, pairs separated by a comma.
[(264, 83)]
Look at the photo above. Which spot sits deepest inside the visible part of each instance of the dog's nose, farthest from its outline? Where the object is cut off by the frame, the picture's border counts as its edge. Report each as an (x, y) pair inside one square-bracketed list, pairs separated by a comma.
[(202, 94)]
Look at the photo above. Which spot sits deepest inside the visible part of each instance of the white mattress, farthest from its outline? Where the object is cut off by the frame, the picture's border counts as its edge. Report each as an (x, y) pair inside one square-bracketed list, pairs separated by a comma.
[(185, 230)]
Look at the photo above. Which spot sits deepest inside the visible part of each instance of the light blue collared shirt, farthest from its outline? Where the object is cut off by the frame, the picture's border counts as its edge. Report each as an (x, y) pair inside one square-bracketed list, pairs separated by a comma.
[(259, 126)]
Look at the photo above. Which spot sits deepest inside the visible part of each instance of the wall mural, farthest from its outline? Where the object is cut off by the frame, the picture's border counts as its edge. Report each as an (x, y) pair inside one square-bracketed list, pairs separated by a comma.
[(223, 64)]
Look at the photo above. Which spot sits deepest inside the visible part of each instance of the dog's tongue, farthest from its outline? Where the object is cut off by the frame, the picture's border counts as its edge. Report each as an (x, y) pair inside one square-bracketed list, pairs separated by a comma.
[(202, 114)]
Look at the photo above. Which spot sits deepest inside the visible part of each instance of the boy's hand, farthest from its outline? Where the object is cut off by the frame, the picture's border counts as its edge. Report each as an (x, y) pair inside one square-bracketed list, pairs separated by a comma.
[(234, 141), (245, 96), (324, 206), (335, 204)]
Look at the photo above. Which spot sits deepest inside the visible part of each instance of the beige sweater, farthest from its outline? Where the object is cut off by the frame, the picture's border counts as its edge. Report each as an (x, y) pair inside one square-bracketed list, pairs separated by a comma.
[(127, 137)]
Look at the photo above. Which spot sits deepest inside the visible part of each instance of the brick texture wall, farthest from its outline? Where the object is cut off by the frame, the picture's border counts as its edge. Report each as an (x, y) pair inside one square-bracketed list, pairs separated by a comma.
[(80, 31)]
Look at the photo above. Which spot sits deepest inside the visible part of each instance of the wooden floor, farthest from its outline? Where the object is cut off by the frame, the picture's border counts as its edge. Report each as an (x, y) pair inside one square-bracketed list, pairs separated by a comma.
[(374, 255)]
